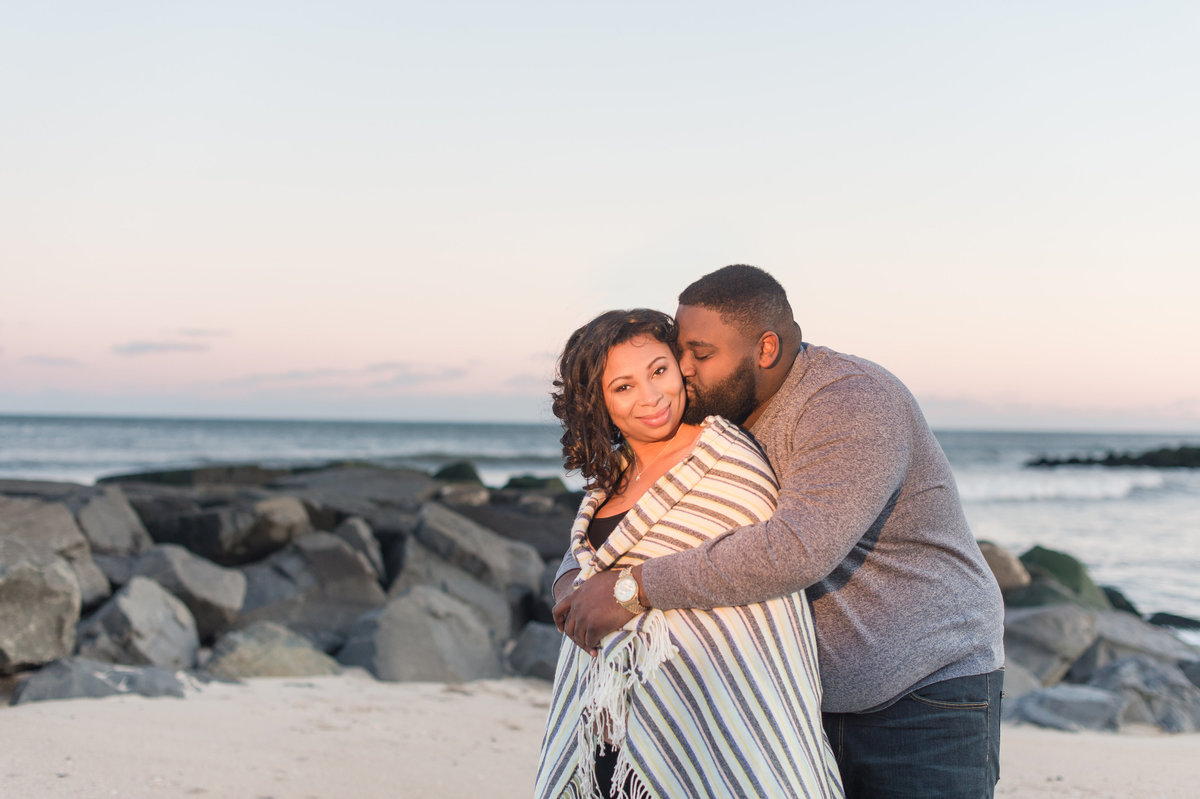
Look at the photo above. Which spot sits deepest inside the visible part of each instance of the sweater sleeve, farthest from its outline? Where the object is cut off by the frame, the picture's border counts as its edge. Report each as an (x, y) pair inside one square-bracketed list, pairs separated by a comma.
[(840, 459)]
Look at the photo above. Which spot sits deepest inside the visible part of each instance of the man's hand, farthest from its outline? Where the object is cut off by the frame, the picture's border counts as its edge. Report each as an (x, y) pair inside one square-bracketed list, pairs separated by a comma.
[(591, 612)]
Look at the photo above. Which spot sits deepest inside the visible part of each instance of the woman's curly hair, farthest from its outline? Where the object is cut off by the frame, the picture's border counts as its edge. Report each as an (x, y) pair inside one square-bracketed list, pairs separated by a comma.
[(591, 442)]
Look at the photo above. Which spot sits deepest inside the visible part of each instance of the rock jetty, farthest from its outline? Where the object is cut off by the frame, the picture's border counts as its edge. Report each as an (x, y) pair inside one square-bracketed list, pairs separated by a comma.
[(1184, 457), (149, 583)]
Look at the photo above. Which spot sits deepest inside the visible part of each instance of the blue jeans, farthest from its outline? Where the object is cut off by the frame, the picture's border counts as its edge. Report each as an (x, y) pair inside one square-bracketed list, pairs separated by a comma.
[(942, 740)]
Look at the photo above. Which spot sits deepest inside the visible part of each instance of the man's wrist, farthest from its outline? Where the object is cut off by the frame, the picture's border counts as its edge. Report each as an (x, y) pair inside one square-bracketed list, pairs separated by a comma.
[(636, 573)]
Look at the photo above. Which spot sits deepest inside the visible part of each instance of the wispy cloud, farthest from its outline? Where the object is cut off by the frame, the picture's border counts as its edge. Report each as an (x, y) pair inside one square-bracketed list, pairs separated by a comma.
[(134, 348), (289, 377), (372, 377), (408, 376), (200, 332), (52, 361), (529, 381)]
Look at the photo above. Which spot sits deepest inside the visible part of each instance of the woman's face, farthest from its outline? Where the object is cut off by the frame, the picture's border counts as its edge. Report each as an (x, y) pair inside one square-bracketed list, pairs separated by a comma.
[(643, 389)]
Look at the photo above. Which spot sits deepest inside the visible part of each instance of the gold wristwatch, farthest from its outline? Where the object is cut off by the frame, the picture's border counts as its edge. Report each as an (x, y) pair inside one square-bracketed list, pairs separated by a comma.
[(625, 591)]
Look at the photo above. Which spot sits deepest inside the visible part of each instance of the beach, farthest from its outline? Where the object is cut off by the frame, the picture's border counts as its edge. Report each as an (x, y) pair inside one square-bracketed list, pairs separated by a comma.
[(351, 735)]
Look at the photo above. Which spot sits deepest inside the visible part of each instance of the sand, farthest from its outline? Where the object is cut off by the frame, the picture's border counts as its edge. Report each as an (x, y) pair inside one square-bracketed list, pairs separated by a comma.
[(350, 736)]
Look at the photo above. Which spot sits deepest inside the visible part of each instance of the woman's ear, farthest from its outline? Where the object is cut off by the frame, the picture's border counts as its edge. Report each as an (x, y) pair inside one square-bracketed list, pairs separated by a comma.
[(769, 349)]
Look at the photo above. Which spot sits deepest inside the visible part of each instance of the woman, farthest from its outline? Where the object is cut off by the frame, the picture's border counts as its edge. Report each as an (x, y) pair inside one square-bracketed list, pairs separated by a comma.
[(679, 703)]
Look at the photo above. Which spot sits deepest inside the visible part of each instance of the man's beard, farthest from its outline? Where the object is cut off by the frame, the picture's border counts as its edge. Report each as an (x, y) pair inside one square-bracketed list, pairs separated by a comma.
[(732, 398)]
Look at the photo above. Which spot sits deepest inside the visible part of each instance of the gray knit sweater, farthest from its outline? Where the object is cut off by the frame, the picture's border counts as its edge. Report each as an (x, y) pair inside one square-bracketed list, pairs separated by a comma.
[(870, 524)]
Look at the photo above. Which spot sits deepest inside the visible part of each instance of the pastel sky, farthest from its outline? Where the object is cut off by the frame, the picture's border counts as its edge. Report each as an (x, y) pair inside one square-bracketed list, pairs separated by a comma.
[(400, 210)]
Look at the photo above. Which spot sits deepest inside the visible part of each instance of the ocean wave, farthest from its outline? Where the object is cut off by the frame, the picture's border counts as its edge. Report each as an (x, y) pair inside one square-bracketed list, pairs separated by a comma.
[(1082, 484)]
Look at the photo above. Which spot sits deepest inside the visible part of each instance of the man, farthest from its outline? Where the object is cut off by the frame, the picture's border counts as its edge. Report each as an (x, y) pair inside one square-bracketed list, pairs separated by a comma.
[(909, 618)]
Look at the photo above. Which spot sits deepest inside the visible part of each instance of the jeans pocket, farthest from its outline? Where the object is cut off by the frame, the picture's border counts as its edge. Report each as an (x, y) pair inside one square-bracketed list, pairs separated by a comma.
[(960, 693)]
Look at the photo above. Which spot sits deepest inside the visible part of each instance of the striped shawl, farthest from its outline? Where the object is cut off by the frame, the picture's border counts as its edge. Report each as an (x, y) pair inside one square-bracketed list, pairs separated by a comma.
[(716, 703)]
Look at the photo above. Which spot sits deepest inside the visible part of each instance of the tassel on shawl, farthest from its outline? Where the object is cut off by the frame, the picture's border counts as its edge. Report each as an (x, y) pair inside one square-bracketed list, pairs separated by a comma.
[(606, 683)]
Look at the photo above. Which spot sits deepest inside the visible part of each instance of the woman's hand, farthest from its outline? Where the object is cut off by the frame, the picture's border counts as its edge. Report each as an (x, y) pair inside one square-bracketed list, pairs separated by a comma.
[(591, 612)]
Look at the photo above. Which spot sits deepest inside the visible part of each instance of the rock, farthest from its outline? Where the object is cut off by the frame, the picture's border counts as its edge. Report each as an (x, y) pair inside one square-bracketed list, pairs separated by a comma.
[(266, 649), (1119, 601), (1120, 635), (1043, 590), (1018, 681), (141, 625), (317, 585), (548, 533), (1155, 693), (117, 568), (1172, 620), (81, 678), (1184, 457), (45, 490), (535, 652), (1007, 568), (228, 474), (1070, 572), (422, 635), (1068, 707), (529, 482), (40, 599), (1048, 640), (358, 534), (109, 522), (458, 472), (228, 527), (422, 567), (1191, 670), (455, 494), (509, 566), (50, 527), (361, 490), (213, 594)]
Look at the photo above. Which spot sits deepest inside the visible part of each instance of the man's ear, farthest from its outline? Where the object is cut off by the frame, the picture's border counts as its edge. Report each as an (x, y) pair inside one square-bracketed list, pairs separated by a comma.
[(769, 349)]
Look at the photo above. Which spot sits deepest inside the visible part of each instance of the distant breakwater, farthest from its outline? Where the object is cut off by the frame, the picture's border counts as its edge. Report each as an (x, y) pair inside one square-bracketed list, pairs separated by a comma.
[(1163, 458)]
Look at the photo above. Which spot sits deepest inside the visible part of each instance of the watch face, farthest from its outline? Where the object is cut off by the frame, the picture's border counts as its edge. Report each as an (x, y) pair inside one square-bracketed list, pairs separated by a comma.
[(625, 589)]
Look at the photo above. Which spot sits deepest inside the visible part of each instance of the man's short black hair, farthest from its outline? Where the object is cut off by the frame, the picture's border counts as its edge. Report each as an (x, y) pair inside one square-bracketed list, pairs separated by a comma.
[(745, 296)]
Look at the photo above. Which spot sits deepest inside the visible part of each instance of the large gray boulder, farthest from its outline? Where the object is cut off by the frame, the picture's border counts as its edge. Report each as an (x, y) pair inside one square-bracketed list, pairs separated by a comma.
[(542, 522), (39, 598), (535, 651), (227, 525), (422, 567), (212, 593), (1068, 707), (360, 490), (422, 635), (50, 527), (1155, 693), (504, 564), (317, 585), (109, 522), (80, 678), (1048, 640), (1018, 681), (267, 649), (141, 625), (358, 534), (1006, 567), (1120, 635)]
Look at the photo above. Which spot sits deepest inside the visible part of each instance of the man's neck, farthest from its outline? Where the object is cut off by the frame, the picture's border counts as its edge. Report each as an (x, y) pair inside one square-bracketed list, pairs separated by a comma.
[(772, 383)]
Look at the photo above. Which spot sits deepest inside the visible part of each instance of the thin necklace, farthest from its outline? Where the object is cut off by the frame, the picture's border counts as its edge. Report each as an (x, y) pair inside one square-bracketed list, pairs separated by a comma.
[(646, 466)]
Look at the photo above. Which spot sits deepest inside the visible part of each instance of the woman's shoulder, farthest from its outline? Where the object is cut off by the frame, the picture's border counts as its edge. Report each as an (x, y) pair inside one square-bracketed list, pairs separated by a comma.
[(727, 441)]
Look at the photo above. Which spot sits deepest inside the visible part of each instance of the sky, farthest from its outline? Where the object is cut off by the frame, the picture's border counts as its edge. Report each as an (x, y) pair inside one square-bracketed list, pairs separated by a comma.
[(389, 210)]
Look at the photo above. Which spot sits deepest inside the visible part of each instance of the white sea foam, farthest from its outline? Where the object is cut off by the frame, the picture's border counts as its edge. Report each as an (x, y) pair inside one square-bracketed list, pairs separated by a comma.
[(1055, 484)]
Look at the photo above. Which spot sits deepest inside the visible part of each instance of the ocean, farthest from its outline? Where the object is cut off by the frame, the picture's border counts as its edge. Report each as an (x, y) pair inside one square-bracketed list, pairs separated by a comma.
[(1136, 529)]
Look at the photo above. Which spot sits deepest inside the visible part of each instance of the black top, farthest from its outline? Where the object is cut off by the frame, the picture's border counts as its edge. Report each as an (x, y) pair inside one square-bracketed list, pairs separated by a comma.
[(601, 528)]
